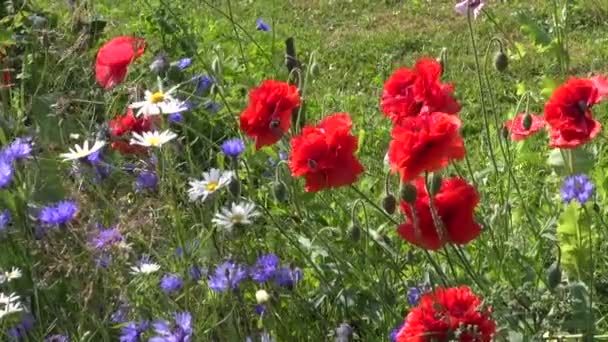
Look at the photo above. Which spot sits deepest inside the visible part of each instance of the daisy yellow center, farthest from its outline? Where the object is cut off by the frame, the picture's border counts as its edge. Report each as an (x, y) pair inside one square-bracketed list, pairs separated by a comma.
[(153, 141), (212, 186), (237, 218), (157, 97)]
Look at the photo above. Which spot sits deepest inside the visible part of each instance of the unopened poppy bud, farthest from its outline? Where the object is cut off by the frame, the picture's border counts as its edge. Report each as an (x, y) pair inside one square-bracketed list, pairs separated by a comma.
[(505, 132), (234, 187), (160, 64), (501, 61), (443, 58), (389, 203), (354, 232), (527, 122), (216, 67), (314, 68), (554, 275), (435, 185), (279, 190), (262, 297), (596, 207), (407, 192)]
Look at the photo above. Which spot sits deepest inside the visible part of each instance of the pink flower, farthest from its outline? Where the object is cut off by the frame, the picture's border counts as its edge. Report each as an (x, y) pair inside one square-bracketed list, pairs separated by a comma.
[(474, 5)]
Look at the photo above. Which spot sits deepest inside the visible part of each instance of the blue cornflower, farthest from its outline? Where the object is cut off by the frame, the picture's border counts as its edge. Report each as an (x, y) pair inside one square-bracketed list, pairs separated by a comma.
[(184, 63), (233, 147), (260, 25), (104, 260), (20, 148), (213, 107), (5, 219), (393, 335), (6, 172), (182, 332), (132, 332), (19, 331), (288, 277), (94, 158), (146, 180), (120, 315), (260, 309), (264, 268), (57, 338), (171, 283), (58, 214), (106, 238), (227, 275), (578, 188), (413, 295), (202, 84), (175, 117), (196, 273)]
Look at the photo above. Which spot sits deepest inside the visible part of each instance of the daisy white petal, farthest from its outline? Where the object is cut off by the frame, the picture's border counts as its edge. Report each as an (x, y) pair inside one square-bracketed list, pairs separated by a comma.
[(212, 181), (79, 152), (237, 214), (153, 139)]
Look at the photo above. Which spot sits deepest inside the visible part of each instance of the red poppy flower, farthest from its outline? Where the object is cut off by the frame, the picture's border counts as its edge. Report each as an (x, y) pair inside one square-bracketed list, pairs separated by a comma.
[(125, 147), (129, 123), (268, 115), (114, 57), (324, 154), (408, 93), (425, 143), (455, 204), (569, 114), (448, 312), (518, 130)]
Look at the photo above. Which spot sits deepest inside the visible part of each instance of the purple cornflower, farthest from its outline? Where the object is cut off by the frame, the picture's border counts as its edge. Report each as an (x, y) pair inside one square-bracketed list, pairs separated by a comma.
[(146, 180), (20, 148), (104, 260), (196, 273), (202, 83), (260, 309), (132, 332), (171, 283), (120, 315), (6, 172), (393, 335), (288, 277), (233, 147), (227, 275), (578, 188), (19, 331), (464, 6), (58, 214), (213, 107), (260, 25), (184, 63), (57, 338), (182, 331), (105, 238), (175, 117), (413, 295), (344, 332), (5, 219), (264, 268)]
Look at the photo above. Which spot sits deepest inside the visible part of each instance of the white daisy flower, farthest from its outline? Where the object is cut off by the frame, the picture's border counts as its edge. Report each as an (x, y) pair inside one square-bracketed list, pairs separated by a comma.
[(152, 139), (145, 268), (9, 304), (159, 102), (212, 181), (237, 214), (14, 273), (79, 152)]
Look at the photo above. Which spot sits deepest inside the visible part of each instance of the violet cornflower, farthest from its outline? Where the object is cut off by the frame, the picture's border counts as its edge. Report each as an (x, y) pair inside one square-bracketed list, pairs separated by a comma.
[(260, 25), (578, 188), (58, 214), (227, 275), (264, 268)]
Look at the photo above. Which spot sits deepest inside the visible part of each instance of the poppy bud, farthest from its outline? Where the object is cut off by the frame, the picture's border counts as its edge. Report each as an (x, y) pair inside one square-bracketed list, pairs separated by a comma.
[(314, 69), (501, 61), (596, 207), (216, 67), (407, 192), (389, 203), (279, 190), (354, 232), (505, 132), (234, 187), (527, 122), (160, 64), (554, 275), (436, 181), (443, 58)]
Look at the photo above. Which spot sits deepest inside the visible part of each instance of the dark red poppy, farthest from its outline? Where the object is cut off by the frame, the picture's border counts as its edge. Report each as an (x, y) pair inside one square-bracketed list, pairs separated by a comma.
[(408, 92), (518, 129), (129, 123), (568, 112), (449, 313), (426, 142), (455, 204), (268, 115), (114, 57), (324, 154), (125, 147)]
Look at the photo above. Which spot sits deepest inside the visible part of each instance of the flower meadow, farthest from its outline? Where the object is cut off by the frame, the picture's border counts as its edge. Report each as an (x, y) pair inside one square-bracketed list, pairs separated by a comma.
[(171, 181)]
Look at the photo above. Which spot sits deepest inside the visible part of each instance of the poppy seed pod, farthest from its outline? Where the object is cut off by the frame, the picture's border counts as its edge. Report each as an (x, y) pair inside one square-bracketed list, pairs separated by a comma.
[(389, 203), (354, 232), (279, 190), (527, 123), (435, 185), (407, 192), (554, 275), (501, 61)]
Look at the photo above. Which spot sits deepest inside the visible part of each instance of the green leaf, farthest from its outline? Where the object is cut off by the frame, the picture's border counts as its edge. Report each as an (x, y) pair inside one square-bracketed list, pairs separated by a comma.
[(567, 236), (547, 86)]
